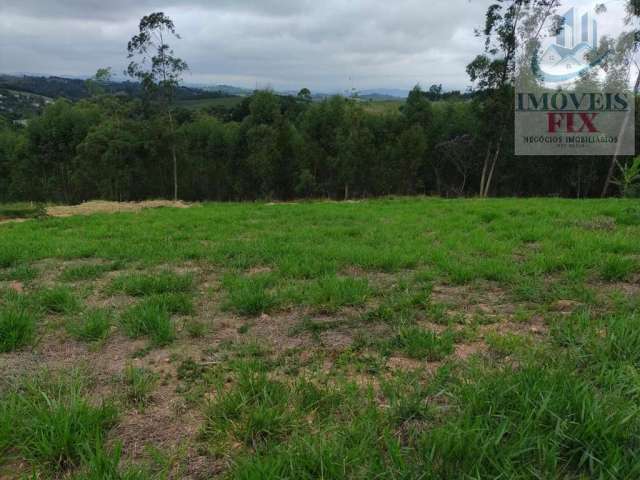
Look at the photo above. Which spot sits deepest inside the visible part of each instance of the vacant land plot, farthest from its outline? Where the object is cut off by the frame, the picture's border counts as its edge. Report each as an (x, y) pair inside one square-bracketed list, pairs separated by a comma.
[(404, 338)]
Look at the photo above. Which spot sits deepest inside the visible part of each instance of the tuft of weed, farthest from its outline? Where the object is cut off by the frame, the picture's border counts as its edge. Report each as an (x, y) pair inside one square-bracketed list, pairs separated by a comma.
[(249, 296), (53, 421), (17, 327), (20, 273), (505, 414), (101, 463), (256, 412), (91, 326), (617, 268), (139, 384), (422, 344), (149, 319), (329, 293), (86, 272), (174, 303), (58, 300), (195, 328)]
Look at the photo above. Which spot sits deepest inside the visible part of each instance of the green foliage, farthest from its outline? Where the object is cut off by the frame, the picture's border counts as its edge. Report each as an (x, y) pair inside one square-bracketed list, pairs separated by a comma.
[(274, 147), (629, 179)]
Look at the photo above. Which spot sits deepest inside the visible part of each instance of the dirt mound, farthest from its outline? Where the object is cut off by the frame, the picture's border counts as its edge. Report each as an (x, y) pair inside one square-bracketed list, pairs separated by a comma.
[(89, 208)]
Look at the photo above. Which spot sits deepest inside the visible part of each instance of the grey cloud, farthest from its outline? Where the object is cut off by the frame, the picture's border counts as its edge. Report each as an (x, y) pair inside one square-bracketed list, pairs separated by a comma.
[(325, 45)]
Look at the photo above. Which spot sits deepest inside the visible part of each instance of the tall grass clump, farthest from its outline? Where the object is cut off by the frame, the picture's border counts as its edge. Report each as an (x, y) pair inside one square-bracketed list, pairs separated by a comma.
[(421, 344), (535, 421), (91, 326), (58, 300), (331, 293), (139, 384), (53, 421), (17, 323), (149, 319), (249, 296)]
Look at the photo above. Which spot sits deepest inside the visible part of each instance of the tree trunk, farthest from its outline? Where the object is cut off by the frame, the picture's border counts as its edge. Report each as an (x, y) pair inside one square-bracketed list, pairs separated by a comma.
[(175, 173), (493, 167), (484, 170), (614, 159), (175, 158)]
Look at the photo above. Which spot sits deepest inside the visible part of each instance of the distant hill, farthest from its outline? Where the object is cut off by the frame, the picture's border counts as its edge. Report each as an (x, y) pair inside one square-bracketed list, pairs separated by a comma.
[(23, 96), (385, 93), (228, 89)]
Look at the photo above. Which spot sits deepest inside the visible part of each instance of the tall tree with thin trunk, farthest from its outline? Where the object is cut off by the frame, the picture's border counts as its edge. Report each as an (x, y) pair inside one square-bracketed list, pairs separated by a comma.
[(510, 27), (158, 69)]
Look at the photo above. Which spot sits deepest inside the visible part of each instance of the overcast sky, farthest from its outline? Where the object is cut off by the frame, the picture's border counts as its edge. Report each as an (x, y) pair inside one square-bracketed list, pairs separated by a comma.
[(326, 45)]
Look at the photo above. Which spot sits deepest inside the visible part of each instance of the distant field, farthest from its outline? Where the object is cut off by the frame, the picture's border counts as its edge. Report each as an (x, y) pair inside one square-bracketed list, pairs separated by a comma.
[(227, 102), (407, 338), (383, 107)]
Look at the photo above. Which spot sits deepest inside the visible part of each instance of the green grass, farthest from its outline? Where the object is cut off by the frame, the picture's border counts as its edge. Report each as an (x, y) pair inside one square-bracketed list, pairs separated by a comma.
[(52, 421), (86, 272), (140, 285), (549, 392), (149, 319), (250, 295), (20, 273), (615, 268), (139, 385), (91, 326), (58, 300), (174, 303), (422, 344), (17, 325)]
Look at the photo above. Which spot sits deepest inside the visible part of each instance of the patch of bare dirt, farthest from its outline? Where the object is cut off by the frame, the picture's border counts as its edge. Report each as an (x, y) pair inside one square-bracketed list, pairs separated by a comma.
[(12, 220), (164, 423), (99, 206), (465, 350), (403, 363)]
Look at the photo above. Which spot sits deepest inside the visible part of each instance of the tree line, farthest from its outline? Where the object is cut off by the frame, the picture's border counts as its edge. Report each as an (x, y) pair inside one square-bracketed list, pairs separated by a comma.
[(273, 147)]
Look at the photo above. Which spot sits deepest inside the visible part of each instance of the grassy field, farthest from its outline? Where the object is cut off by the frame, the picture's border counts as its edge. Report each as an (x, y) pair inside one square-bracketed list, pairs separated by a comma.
[(406, 338)]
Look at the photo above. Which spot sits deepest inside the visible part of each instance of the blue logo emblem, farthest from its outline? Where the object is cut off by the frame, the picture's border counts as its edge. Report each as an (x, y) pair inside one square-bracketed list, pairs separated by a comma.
[(570, 55)]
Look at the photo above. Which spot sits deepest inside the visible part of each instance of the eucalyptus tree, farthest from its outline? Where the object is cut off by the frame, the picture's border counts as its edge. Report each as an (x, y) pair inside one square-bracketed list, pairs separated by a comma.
[(511, 28), (620, 64), (157, 68)]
